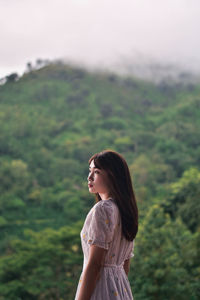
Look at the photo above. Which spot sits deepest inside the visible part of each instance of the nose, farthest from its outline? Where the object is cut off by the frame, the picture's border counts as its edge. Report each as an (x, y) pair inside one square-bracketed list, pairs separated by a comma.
[(90, 176)]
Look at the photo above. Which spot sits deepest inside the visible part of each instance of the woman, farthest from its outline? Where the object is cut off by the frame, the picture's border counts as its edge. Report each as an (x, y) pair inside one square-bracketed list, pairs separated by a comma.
[(109, 230)]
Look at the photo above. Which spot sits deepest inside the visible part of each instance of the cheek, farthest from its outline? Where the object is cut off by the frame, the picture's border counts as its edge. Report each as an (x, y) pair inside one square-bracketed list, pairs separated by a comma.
[(102, 182)]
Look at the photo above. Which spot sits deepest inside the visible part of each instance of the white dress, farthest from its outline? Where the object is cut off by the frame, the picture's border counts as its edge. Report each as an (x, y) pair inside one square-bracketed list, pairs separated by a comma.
[(102, 227)]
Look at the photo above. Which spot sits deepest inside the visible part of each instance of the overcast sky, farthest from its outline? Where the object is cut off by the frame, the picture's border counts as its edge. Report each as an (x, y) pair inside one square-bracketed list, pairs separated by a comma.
[(99, 32)]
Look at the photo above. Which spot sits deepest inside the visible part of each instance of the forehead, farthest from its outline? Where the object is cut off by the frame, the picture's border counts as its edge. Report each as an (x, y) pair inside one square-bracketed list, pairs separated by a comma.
[(92, 165)]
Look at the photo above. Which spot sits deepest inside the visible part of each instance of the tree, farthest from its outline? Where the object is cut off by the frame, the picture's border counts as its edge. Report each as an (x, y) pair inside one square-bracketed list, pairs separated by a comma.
[(184, 199), (29, 67), (165, 263), (12, 77), (46, 266)]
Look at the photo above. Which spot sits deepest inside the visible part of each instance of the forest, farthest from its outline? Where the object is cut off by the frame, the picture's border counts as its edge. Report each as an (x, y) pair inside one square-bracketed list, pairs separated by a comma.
[(52, 119)]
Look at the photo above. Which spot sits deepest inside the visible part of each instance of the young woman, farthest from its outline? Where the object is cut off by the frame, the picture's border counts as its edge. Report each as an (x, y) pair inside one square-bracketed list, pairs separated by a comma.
[(109, 230)]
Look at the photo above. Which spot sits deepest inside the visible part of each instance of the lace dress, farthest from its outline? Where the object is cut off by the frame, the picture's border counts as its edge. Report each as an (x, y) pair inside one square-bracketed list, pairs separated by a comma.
[(102, 227)]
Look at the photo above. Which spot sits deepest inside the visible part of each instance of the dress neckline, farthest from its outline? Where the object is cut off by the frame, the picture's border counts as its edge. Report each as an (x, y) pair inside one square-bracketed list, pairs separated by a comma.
[(108, 199)]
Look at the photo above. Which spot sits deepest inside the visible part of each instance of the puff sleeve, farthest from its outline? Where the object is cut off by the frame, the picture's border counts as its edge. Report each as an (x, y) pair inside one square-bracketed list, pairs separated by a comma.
[(102, 225), (131, 253)]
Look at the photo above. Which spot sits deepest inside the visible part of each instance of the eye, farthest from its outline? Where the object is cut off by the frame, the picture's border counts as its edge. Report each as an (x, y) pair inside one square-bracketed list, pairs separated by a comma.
[(96, 172)]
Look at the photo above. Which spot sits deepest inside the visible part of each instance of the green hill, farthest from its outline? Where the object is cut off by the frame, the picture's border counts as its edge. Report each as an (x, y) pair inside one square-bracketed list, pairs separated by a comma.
[(52, 120)]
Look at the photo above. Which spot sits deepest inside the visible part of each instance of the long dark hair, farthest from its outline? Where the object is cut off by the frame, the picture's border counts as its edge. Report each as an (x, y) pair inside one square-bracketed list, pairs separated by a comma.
[(121, 189)]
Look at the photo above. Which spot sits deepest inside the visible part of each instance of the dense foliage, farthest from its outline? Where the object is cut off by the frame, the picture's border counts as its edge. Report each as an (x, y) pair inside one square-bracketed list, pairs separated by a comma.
[(51, 121)]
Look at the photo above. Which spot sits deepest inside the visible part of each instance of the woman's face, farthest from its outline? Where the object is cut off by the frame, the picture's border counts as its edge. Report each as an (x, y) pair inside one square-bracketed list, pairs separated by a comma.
[(97, 181)]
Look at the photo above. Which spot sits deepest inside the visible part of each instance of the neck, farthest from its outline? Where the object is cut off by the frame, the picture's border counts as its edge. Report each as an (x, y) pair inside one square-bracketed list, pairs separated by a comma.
[(104, 196)]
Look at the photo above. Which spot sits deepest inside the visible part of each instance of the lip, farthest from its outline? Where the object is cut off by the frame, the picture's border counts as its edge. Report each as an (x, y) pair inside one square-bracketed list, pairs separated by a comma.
[(90, 185)]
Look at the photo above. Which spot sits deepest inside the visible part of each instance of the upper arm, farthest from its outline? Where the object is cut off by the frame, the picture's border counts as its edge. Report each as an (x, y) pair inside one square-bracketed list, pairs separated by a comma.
[(92, 272), (102, 225), (96, 256)]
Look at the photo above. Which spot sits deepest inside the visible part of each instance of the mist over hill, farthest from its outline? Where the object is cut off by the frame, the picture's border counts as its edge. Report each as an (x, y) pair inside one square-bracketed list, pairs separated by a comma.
[(137, 66), (157, 72)]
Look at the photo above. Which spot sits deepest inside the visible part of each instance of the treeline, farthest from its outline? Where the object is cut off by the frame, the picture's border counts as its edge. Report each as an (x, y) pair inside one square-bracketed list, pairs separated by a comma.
[(51, 121)]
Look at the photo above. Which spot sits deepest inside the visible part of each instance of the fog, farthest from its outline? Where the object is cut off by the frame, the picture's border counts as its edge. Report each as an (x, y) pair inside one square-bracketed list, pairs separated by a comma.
[(124, 35)]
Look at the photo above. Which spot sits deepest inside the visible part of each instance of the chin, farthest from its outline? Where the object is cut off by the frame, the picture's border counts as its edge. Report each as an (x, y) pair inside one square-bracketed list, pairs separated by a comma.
[(92, 191)]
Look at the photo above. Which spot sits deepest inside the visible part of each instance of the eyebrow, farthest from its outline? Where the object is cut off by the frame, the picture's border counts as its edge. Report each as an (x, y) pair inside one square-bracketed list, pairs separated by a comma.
[(94, 168)]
